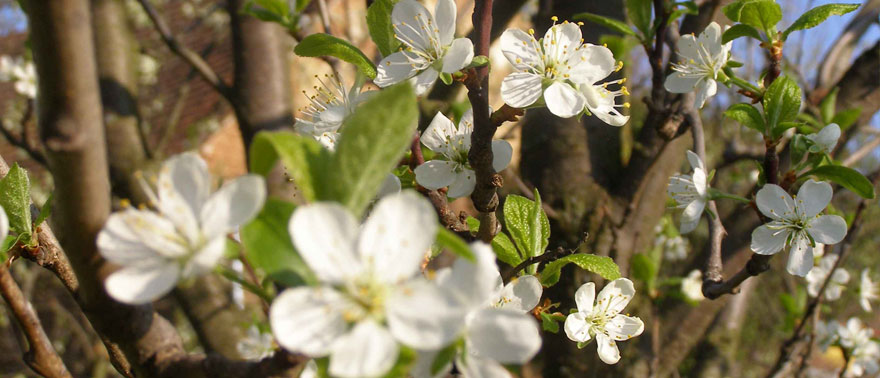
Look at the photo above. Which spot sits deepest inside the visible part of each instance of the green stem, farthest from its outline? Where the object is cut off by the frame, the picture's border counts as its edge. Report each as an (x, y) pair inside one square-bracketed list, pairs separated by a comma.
[(249, 286), (745, 84), (717, 194)]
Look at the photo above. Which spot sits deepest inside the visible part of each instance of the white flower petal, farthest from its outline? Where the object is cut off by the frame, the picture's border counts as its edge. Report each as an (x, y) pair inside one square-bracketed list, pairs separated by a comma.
[(521, 89), (391, 185), (616, 295), (459, 54), (436, 174), (561, 40), (444, 16), (308, 320), (464, 184), (119, 243), (768, 241), (813, 197), (142, 284), (563, 100), (695, 161), (826, 139), (679, 83), (367, 351), (4, 224), (184, 185), (504, 336), (474, 283), (521, 49), (396, 236), (687, 48), (324, 234), (206, 258), (438, 135), (607, 349), (591, 63), (235, 204), (474, 366), (393, 69), (407, 16), (691, 215), (827, 229), (623, 327), (424, 81), (141, 229), (522, 294), (501, 154), (577, 328), (424, 363), (705, 89), (774, 202), (423, 316), (800, 256), (710, 39), (585, 297)]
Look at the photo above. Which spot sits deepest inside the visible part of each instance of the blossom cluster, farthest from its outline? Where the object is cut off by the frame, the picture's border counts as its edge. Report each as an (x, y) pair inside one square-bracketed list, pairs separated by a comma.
[(857, 339)]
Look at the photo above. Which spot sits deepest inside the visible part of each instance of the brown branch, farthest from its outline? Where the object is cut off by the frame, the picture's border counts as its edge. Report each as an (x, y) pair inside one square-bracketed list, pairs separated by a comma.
[(485, 195), (546, 257), (40, 355), (189, 56), (448, 217)]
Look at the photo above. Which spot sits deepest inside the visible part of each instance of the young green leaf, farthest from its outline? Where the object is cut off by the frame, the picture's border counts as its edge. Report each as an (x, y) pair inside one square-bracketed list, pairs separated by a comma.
[(798, 148), (847, 177), (740, 30), (268, 245), (379, 24), (846, 118), (306, 160), (748, 116), (639, 13), (550, 322), (761, 14), (15, 198), (601, 265), (505, 251), (828, 105), (527, 224), (321, 44), (782, 101), (644, 269), (817, 15), (444, 358), (45, 210), (609, 23), (373, 140), (454, 244)]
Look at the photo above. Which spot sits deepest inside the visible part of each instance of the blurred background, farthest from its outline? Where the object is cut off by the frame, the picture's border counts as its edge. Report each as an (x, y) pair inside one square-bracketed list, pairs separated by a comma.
[(580, 169)]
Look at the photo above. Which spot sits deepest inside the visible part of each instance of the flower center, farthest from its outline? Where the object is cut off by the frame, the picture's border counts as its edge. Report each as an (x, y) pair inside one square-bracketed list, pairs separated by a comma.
[(370, 296)]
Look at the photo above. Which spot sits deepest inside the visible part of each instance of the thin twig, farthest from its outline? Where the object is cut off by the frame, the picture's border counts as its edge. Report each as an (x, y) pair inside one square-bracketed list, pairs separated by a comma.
[(194, 60), (39, 355), (22, 140), (548, 256)]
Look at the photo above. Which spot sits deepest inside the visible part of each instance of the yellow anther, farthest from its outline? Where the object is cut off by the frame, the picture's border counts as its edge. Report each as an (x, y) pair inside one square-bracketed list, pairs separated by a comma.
[(580, 23), (531, 31), (124, 203), (554, 18), (626, 105)]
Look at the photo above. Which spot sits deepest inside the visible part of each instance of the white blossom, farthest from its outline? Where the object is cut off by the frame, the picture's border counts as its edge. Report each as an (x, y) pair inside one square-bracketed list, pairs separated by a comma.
[(692, 286), (564, 70), (702, 59), (186, 237), (148, 69), (864, 352), (497, 329), (816, 277), (371, 295), (825, 140), (429, 46), (796, 222), (602, 319), (255, 345), (21, 72), (868, 289), (328, 108), (691, 193), (826, 333), (310, 371), (4, 224), (451, 167)]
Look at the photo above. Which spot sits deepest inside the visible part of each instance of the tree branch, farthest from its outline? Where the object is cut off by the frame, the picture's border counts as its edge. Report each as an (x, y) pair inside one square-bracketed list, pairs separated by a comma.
[(40, 355)]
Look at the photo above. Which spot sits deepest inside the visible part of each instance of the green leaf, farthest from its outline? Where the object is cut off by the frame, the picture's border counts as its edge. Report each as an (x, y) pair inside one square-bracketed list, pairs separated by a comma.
[(601, 265), (269, 10), (689, 7), (379, 24), (550, 322), (268, 245), (307, 162), (782, 101), (798, 149), (301, 5), (405, 360), (446, 78), (847, 177), (748, 116), (609, 23), (15, 198), (45, 210), (450, 241), (639, 13), (505, 250), (443, 358), (740, 30), (478, 61), (373, 140), (644, 269), (527, 224), (845, 119), (761, 14), (828, 105), (817, 15), (321, 44)]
